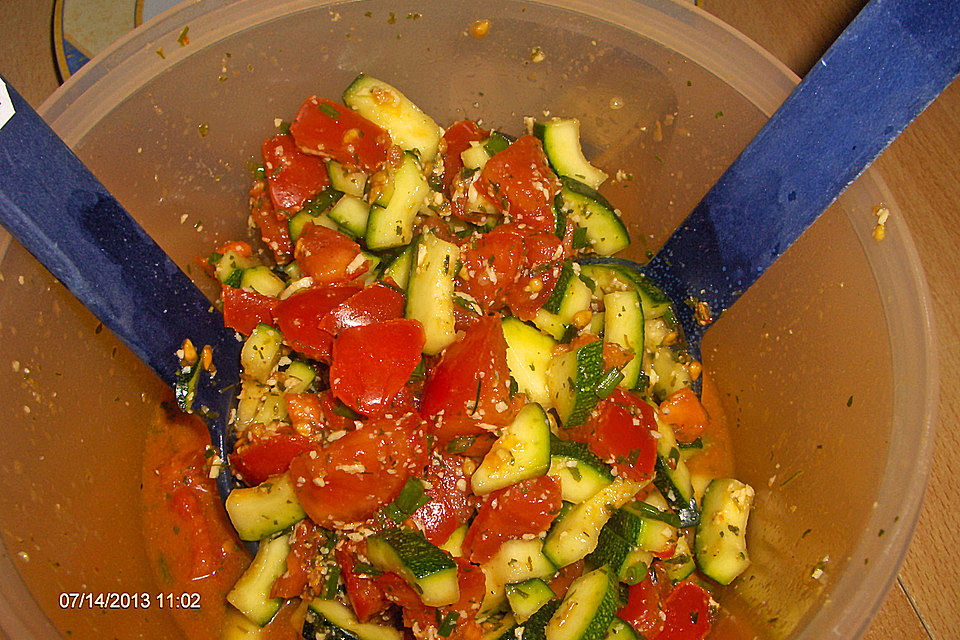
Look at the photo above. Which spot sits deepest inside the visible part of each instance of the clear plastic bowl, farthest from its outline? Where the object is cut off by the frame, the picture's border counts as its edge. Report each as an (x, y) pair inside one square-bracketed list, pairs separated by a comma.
[(826, 367)]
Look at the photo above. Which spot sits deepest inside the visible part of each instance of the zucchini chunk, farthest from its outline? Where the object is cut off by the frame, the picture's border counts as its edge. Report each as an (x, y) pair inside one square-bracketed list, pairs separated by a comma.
[(262, 280), (261, 352), (390, 223), (251, 594), (672, 478), (645, 526), (635, 566), (623, 325), (519, 560), (587, 609), (605, 232), (611, 550), (522, 451), (351, 182), (570, 296), (527, 597), (261, 511), (430, 571), (575, 533), (351, 215), (334, 620), (399, 268), (430, 290), (229, 267), (573, 379), (385, 105), (681, 564), (528, 357), (561, 145), (296, 224), (581, 473), (720, 543), (620, 630)]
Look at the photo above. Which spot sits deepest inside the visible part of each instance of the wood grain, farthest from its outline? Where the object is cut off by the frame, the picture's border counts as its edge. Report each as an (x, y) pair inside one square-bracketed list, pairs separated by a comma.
[(921, 168)]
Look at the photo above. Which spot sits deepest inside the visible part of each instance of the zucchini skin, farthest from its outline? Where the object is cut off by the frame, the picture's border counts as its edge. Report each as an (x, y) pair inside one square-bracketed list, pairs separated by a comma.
[(720, 543)]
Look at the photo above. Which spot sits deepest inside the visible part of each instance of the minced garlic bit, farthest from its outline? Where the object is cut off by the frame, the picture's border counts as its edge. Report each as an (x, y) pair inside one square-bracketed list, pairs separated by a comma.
[(480, 28), (880, 229)]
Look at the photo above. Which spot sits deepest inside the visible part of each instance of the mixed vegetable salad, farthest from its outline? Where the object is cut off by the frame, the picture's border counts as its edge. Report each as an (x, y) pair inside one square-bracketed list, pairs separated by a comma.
[(455, 420)]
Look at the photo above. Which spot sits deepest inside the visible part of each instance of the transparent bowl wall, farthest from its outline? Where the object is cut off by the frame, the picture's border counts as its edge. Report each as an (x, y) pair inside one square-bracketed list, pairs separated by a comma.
[(826, 367)]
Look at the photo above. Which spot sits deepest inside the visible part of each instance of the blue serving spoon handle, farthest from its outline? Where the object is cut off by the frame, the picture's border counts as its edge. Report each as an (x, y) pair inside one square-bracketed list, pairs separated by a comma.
[(59, 211), (886, 67)]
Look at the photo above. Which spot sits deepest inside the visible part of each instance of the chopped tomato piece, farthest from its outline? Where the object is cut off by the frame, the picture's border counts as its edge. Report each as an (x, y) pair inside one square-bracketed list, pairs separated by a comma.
[(371, 363), (528, 506), (642, 611), (347, 480), (239, 247), (328, 256), (302, 561), (375, 303), (542, 248), (565, 577), (272, 223), (364, 593), (472, 379), (324, 128), (472, 585), (192, 502), (451, 501), (688, 613), (304, 409), (259, 459), (520, 182), (458, 137), (293, 176), (439, 226), (685, 413), (620, 433), (615, 356), (490, 266), (299, 316), (244, 310), (532, 289)]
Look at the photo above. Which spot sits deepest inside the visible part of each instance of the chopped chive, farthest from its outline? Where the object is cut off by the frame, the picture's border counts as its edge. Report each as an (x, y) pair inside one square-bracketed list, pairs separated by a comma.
[(329, 111)]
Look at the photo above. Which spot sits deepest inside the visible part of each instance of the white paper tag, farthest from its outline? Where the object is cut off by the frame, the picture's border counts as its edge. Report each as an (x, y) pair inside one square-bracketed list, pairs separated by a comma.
[(6, 107)]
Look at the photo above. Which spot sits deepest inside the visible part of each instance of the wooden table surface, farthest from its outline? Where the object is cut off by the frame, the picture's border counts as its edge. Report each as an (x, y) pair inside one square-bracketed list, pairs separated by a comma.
[(922, 168)]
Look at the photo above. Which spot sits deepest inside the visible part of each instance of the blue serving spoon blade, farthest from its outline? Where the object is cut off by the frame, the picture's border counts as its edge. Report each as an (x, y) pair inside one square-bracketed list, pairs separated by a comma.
[(59, 211), (881, 73)]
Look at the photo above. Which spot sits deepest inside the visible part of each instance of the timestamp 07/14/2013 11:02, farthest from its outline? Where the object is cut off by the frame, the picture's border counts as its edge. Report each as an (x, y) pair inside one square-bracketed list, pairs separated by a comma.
[(122, 600)]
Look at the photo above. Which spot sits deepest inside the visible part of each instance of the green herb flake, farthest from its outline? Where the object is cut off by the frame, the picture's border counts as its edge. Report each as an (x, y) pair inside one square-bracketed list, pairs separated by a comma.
[(850, 401), (184, 39), (411, 497), (161, 53), (790, 479), (329, 111), (202, 129), (448, 624), (609, 382), (332, 582), (460, 444), (718, 114)]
